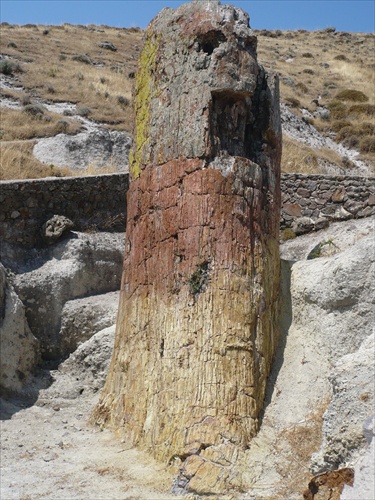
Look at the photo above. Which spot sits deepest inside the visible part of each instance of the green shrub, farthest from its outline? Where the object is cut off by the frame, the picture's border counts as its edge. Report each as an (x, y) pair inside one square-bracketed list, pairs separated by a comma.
[(198, 279), (352, 95), (351, 141), (9, 67), (309, 71), (308, 55), (62, 126)]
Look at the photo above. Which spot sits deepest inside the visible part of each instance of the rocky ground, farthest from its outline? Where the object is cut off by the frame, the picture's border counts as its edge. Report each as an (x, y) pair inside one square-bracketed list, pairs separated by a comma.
[(50, 451), (320, 397)]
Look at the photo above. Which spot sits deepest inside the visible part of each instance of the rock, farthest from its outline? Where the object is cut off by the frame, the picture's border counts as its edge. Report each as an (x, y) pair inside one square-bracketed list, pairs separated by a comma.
[(342, 214), (19, 352), (107, 46), (338, 195), (95, 147), (364, 474), (326, 322), (321, 223), (84, 372), (353, 392), (84, 265), (83, 318), (197, 322), (292, 209), (303, 225), (55, 228), (343, 235)]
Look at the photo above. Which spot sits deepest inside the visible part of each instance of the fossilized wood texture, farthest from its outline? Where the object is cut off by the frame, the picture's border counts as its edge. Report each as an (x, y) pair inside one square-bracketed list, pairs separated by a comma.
[(196, 329)]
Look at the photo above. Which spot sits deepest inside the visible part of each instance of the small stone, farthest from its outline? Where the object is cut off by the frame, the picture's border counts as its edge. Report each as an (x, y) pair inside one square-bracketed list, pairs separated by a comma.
[(15, 214), (321, 223), (292, 209), (303, 225), (55, 228)]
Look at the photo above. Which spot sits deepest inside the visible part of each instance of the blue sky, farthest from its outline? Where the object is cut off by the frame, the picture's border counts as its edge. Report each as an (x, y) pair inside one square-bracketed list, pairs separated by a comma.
[(344, 15)]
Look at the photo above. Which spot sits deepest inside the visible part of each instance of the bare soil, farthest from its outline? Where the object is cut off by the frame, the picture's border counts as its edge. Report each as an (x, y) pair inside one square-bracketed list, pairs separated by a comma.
[(50, 451)]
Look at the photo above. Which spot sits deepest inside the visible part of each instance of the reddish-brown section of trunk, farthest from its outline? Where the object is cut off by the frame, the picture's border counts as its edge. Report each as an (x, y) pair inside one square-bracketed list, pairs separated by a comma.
[(181, 214)]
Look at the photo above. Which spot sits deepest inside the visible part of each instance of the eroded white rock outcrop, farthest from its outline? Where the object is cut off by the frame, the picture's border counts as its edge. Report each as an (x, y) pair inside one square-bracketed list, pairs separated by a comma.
[(19, 353), (324, 367), (85, 265)]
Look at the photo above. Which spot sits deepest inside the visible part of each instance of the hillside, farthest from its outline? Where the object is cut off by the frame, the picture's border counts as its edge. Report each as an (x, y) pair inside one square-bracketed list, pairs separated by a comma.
[(65, 79)]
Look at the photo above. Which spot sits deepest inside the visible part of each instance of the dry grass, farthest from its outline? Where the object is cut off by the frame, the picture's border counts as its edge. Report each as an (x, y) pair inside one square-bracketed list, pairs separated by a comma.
[(18, 162), (50, 71), (23, 125), (334, 69), (68, 64), (300, 158), (297, 444)]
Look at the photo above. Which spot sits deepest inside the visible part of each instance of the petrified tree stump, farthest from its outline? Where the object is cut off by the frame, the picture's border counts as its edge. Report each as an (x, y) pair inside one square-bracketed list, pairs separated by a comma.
[(197, 322)]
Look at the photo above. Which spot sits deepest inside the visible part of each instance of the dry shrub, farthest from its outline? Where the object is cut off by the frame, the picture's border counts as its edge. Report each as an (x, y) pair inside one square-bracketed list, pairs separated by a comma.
[(360, 130), (367, 144), (362, 109), (293, 102), (337, 109), (341, 57), (17, 162), (288, 234), (302, 87), (337, 125), (351, 95)]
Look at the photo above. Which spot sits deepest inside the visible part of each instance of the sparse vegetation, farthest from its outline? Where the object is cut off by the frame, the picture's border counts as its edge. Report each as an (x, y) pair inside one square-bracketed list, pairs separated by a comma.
[(58, 67), (33, 122), (199, 277)]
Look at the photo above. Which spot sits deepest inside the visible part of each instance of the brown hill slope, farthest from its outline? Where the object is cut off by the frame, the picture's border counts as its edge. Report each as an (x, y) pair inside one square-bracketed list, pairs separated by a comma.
[(327, 81)]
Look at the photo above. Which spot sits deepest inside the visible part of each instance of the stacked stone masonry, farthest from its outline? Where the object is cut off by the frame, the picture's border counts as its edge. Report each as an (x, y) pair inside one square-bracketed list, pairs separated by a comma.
[(93, 202), (97, 201), (332, 197)]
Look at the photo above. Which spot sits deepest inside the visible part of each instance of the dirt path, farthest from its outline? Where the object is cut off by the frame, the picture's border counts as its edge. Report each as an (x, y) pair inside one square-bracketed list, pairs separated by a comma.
[(50, 452)]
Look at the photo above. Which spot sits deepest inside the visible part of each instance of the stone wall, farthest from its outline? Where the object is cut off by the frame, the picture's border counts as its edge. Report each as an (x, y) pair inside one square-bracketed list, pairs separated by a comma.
[(331, 197), (96, 202)]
